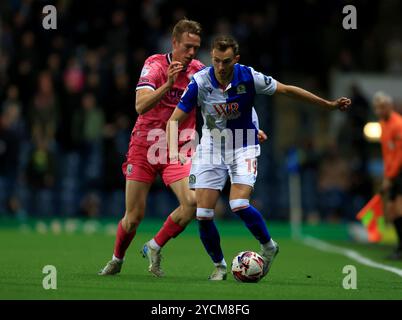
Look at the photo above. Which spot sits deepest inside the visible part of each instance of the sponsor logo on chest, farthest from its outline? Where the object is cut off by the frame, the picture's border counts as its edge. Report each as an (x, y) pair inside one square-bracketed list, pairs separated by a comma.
[(228, 110), (174, 95), (241, 88)]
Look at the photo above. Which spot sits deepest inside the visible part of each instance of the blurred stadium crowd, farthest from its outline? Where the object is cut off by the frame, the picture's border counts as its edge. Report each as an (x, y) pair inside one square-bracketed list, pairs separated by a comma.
[(67, 98)]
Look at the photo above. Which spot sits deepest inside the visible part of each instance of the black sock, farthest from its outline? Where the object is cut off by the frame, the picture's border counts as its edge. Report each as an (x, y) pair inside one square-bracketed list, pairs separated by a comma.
[(398, 228)]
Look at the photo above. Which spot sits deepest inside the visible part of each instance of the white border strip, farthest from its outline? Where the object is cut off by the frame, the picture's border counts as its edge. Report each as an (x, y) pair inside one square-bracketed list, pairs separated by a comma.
[(144, 86), (324, 246)]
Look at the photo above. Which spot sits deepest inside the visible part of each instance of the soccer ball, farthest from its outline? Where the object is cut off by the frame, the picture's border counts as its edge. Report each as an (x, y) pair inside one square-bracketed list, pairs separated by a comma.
[(248, 266)]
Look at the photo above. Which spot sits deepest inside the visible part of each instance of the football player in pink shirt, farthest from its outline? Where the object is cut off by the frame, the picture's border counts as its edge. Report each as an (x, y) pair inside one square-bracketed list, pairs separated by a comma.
[(162, 82)]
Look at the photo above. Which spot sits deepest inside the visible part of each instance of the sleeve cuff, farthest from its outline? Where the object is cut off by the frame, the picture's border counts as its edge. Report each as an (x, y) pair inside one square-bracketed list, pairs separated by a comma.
[(145, 86), (182, 107)]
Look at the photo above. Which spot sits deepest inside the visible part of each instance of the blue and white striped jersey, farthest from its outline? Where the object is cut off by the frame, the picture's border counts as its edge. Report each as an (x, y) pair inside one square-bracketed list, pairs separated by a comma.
[(231, 107)]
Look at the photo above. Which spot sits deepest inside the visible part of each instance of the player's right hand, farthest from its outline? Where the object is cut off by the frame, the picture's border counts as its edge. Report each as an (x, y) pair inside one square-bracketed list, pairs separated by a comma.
[(173, 71)]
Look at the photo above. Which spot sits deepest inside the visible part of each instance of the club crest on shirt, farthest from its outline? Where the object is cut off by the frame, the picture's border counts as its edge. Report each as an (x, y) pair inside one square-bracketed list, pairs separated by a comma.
[(144, 71), (129, 169), (391, 145), (241, 88)]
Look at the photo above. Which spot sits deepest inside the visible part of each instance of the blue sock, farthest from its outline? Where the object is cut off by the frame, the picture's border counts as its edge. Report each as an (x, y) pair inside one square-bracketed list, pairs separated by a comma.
[(254, 221), (211, 240)]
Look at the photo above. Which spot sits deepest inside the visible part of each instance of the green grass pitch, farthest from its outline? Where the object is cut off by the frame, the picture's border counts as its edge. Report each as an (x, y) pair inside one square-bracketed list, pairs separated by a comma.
[(299, 272)]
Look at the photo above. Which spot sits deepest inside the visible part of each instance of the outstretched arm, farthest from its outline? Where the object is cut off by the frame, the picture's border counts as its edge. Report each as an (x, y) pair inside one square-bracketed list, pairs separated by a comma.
[(304, 95)]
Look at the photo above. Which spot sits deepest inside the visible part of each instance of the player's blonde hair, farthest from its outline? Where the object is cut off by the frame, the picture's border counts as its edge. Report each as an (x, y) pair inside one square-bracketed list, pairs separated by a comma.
[(382, 97), (224, 42), (185, 25)]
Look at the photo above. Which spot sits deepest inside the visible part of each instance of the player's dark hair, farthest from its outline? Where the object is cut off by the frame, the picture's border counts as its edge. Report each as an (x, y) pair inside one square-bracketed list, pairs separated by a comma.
[(185, 25), (223, 42)]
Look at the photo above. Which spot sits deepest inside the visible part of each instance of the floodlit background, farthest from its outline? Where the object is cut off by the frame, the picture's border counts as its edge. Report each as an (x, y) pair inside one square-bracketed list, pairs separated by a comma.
[(67, 101)]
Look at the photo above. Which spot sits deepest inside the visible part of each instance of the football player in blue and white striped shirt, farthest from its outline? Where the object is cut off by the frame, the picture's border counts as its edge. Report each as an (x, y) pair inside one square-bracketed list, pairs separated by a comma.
[(225, 93)]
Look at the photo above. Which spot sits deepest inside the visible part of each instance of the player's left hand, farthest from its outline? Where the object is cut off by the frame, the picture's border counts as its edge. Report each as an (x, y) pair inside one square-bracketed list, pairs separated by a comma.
[(262, 136), (173, 71), (342, 104)]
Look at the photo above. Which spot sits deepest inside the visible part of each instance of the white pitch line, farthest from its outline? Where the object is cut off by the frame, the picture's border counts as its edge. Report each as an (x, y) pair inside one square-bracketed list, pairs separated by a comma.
[(325, 246)]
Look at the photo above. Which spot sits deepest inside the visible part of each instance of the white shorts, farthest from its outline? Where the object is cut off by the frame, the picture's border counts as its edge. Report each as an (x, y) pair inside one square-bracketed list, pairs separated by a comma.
[(240, 166)]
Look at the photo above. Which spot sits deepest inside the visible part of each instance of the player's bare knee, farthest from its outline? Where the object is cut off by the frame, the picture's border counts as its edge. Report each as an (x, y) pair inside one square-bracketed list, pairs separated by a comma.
[(189, 200), (190, 208), (132, 224), (132, 221), (185, 214)]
